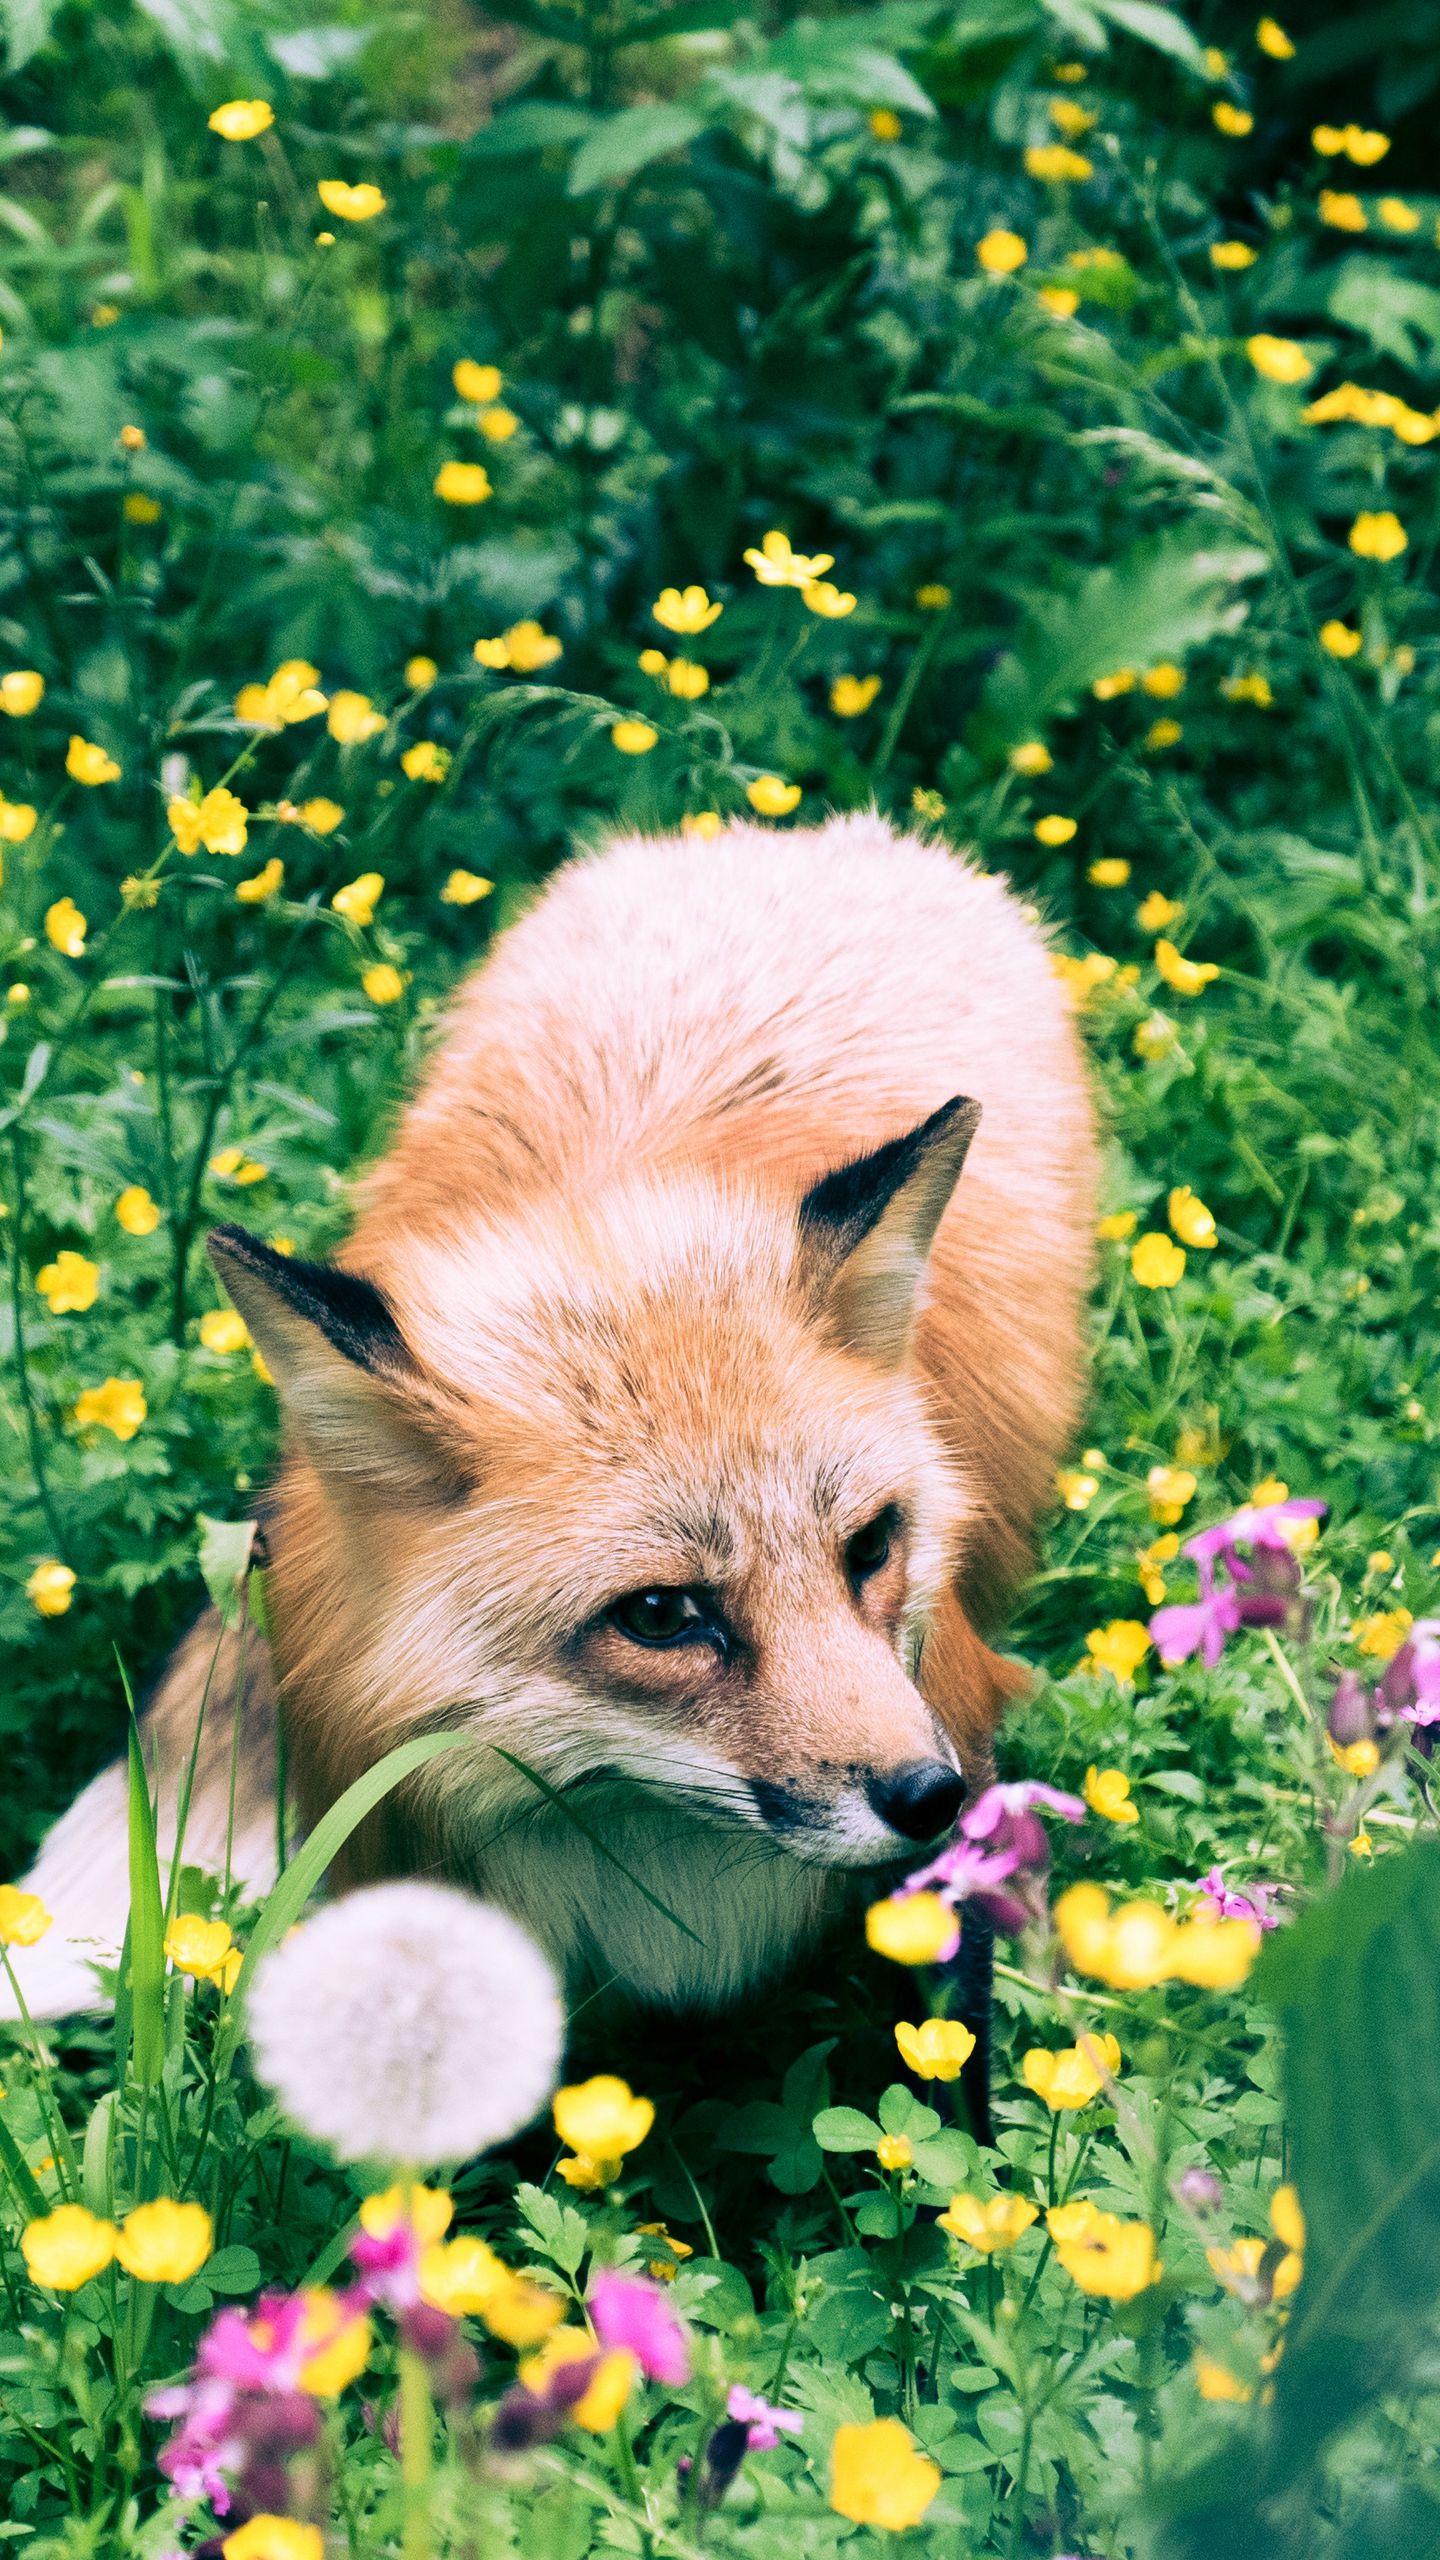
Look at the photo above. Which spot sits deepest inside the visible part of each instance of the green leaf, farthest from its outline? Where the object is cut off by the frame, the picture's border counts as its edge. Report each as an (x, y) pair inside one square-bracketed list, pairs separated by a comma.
[(628, 142), (560, 2233), (1154, 26), (232, 2270), (901, 2111), (845, 2129), (1396, 313), (225, 1550), (147, 1925), (27, 25)]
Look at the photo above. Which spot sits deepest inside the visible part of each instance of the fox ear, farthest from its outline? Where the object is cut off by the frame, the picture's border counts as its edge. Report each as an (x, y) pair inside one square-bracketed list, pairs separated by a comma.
[(866, 1231), (347, 1379)]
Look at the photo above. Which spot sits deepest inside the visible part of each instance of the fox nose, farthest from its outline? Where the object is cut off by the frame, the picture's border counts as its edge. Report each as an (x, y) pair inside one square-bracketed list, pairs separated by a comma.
[(920, 1799)]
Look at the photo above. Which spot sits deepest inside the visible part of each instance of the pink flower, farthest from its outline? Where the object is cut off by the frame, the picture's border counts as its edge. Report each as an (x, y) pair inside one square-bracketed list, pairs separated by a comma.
[(1410, 1687), (765, 2422), (1005, 1817), (626, 2311), (965, 1873), (1240, 1906), (1197, 1626)]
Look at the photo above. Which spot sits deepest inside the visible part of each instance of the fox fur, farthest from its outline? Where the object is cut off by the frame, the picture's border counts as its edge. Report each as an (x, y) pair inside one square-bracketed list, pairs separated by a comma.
[(602, 1328)]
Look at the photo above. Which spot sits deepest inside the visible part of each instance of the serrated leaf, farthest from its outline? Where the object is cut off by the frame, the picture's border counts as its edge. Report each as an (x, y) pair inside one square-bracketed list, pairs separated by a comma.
[(560, 2233)]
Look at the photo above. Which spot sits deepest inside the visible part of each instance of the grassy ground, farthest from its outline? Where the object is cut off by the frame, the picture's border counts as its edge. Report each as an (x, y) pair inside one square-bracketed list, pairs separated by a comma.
[(1124, 602)]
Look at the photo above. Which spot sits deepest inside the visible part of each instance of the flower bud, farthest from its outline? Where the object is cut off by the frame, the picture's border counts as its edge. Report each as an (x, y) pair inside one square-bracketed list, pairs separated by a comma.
[(1351, 1715)]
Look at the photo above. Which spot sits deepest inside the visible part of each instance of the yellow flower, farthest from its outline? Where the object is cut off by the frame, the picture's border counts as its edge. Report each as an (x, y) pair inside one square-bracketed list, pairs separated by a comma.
[(220, 822), (425, 762), (268, 2537), (350, 204), (893, 2151), (772, 797), (64, 2249), (1093, 969), (687, 679), (336, 2344), (165, 2242), (1031, 756), (292, 694), (420, 673), (1076, 1487), (877, 2476), (525, 648), (1382, 1635), (605, 2395), (1397, 215), (776, 565), (1001, 252), (18, 994), (1072, 2078), (991, 2227), (1287, 2219), (1161, 734), (1217, 64), (1190, 1218), (321, 816), (937, 2049), (602, 2116), (463, 484), (1272, 39), (479, 383), (1056, 162), (223, 1331), (1071, 119), (1110, 872), (1170, 1489), (1341, 211), (353, 718), (426, 2211), (850, 695), (1231, 256), (383, 983), (1161, 1551), (1215, 2381), (50, 1588), (497, 424), (137, 507), (685, 610), (1378, 536), (1060, 300), (664, 2270), (1365, 148), (1108, 688), (23, 1916), (831, 603), (1054, 829), (1357, 1759), (1107, 1792), (517, 2311), (1236, 121), (934, 596), (1119, 1648), (1117, 1227), (1215, 1954), (464, 888), (634, 737), (1156, 1263), (1340, 639), (262, 884), (69, 1284), (21, 692), (459, 2276), (583, 2173), (358, 899), (1360, 1845), (242, 118), (202, 1948), (118, 1406), (1278, 359), (884, 124), (87, 763), (17, 821), (1102, 2254), (911, 1928), (705, 823), (1187, 977)]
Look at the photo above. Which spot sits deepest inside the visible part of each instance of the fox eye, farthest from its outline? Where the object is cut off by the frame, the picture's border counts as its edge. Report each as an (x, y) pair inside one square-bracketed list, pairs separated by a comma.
[(661, 1616), (870, 1547)]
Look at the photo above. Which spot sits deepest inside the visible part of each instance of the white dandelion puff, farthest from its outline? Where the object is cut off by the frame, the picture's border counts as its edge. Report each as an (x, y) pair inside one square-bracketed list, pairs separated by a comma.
[(408, 2023)]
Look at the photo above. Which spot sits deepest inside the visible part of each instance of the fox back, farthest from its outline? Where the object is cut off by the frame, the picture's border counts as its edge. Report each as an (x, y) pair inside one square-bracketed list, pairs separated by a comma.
[(674, 1424)]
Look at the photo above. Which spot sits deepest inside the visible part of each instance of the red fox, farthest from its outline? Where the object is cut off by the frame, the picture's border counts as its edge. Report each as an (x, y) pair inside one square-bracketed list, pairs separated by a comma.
[(666, 1427)]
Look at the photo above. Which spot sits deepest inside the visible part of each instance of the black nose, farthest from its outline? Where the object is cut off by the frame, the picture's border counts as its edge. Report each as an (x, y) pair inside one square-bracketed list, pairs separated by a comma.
[(919, 1800)]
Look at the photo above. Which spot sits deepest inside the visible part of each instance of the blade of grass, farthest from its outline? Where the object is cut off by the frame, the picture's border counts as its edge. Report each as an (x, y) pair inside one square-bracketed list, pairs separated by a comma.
[(553, 1796)]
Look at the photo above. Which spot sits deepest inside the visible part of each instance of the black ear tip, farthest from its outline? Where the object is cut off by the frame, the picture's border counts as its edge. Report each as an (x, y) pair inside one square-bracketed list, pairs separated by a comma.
[(230, 1243)]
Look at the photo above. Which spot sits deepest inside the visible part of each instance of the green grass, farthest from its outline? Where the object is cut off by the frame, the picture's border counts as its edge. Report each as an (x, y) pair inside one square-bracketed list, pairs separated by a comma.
[(721, 302)]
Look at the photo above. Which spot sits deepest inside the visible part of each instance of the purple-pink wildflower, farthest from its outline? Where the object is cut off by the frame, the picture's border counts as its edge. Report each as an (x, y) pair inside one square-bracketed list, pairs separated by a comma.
[(627, 2311), (764, 2422), (1263, 1589), (1002, 1856), (1226, 1904), (1410, 1686)]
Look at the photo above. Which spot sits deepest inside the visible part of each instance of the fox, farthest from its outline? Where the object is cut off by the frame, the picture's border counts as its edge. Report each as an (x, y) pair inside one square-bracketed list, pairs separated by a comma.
[(672, 1430)]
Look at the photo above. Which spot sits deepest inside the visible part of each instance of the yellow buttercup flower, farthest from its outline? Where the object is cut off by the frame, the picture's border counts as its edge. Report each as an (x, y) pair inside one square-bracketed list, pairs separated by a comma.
[(478, 383), (705, 823), (912, 1928), (524, 649), (884, 124), (463, 484), (602, 2117), (1155, 911), (165, 2242), (1103, 2255), (263, 884), (1214, 1954), (352, 718), (1170, 1490), (420, 673), (772, 797), (17, 820), (202, 1948), (1215, 2381), (223, 1331), (1364, 147), (87, 763), (242, 119), (1191, 1220), (1340, 639), (850, 695), (664, 2270), (1161, 734), (1232, 256), (831, 603), (937, 2049), (336, 2344), (321, 816), (219, 822), (383, 983), (464, 888), (269, 2537), (350, 204), (21, 692), (1357, 1759), (292, 694), (1378, 535), (1187, 977), (118, 1406), (1057, 164), (459, 2276), (1107, 1792), (1117, 1227), (1001, 252), (497, 424), (1155, 1262), (991, 2227), (1341, 211), (776, 565), (1076, 1487), (1272, 39), (1161, 1551), (1071, 119), (1232, 120), (64, 2249), (893, 2151), (358, 899), (1381, 1636), (1071, 2079), (1060, 300), (1054, 829), (877, 2477), (1109, 688), (1163, 681), (23, 1917), (138, 507), (51, 1588), (1031, 756), (69, 1284), (634, 737), (608, 2389), (426, 2211), (1278, 359), (1110, 872), (685, 610), (1397, 215), (1119, 1648)]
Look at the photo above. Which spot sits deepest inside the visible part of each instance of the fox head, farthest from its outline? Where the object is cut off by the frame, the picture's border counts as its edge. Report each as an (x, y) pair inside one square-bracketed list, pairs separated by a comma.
[(641, 1490)]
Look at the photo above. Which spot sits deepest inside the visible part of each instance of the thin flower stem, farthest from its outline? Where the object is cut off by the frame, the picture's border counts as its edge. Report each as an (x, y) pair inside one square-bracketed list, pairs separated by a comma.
[(417, 2455), (33, 1434)]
